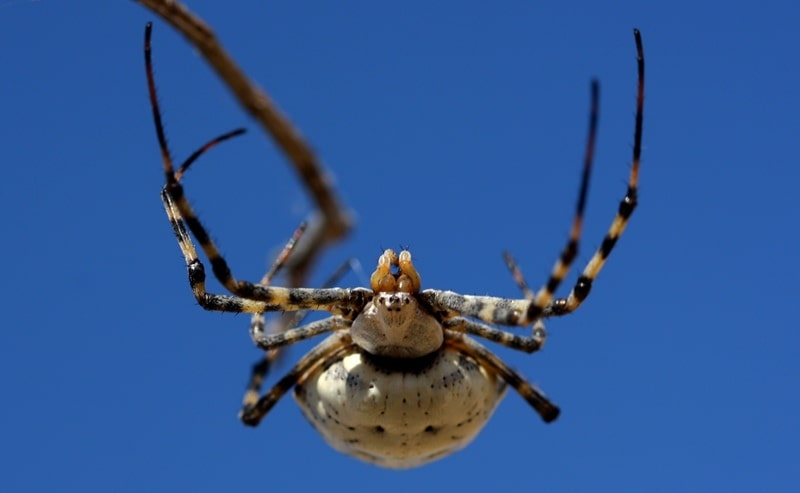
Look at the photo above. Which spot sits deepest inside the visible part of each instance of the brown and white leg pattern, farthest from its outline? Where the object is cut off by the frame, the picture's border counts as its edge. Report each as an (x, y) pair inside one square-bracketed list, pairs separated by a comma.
[(502, 311), (514, 341), (336, 300), (290, 321), (453, 307), (257, 323), (538, 327), (285, 331), (324, 354), (251, 298), (583, 286), (570, 251), (541, 299), (533, 396), (271, 343), (197, 277)]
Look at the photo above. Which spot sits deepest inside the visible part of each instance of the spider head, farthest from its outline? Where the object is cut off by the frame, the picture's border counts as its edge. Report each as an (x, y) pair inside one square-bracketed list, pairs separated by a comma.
[(393, 324)]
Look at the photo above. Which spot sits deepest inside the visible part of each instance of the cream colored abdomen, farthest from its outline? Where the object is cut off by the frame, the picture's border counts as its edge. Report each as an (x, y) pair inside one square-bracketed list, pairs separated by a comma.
[(400, 418)]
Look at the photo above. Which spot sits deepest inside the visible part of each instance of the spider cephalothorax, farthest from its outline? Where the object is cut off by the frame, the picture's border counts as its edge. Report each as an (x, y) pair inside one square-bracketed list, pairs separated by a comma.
[(393, 324), (399, 381)]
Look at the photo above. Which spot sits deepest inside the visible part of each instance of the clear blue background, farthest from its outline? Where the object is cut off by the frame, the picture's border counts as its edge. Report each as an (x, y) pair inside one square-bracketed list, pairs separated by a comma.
[(457, 129)]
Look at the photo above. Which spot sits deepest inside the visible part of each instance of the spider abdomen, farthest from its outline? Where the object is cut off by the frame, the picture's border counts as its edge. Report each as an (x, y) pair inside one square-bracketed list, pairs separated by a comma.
[(400, 417)]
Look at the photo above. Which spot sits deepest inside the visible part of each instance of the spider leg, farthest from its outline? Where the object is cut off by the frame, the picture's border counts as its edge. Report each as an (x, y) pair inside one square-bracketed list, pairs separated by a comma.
[(538, 329), (278, 337), (514, 341), (523, 312), (269, 342), (533, 396), (293, 319), (335, 300), (516, 273), (251, 298), (197, 276), (545, 294), (254, 408), (503, 311), (529, 311), (562, 306), (257, 322), (173, 187), (541, 299)]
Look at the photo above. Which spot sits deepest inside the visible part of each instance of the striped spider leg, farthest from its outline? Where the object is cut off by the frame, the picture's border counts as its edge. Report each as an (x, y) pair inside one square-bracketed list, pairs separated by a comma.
[(258, 324), (538, 301), (248, 297), (278, 337), (563, 306), (542, 304)]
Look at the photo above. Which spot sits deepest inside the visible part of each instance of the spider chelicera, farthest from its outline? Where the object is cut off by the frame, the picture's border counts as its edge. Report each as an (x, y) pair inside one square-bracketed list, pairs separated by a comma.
[(399, 381)]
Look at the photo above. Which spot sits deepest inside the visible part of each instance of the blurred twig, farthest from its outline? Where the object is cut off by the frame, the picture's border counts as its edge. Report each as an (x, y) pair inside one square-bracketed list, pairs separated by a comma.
[(332, 221)]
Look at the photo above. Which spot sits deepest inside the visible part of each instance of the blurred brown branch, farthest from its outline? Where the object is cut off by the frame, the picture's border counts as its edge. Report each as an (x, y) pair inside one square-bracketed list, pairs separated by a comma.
[(332, 221)]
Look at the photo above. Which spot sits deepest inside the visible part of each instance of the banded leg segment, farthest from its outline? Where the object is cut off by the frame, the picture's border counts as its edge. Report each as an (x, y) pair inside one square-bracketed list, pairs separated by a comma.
[(286, 331), (196, 270), (268, 299), (580, 291), (514, 341), (179, 209), (254, 408), (281, 336), (519, 312), (257, 322), (271, 343), (502, 311), (539, 331), (516, 273), (173, 187), (545, 294), (533, 396)]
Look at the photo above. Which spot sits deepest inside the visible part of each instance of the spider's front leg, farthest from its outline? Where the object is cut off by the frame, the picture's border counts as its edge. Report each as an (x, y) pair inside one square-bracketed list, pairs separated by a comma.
[(196, 270), (249, 297), (263, 298)]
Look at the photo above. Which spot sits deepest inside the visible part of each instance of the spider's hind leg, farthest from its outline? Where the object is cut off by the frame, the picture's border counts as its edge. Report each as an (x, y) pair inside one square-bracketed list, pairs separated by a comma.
[(533, 396), (331, 349), (286, 332)]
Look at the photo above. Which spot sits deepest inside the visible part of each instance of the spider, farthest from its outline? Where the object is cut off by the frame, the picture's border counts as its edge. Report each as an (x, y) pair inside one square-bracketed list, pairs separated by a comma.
[(400, 380)]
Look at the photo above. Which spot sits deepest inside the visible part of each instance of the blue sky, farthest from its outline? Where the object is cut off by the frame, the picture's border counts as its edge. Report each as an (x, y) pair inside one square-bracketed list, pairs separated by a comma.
[(456, 129)]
